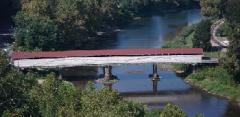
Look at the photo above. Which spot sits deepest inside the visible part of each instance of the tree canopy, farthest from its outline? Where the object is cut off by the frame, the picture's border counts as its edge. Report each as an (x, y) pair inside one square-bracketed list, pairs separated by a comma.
[(202, 35)]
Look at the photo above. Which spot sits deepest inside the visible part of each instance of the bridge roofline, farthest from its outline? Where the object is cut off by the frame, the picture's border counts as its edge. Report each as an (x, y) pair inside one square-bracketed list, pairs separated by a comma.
[(107, 52)]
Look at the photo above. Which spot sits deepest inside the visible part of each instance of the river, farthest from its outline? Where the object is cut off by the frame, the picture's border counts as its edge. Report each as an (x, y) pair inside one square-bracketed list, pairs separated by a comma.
[(134, 84)]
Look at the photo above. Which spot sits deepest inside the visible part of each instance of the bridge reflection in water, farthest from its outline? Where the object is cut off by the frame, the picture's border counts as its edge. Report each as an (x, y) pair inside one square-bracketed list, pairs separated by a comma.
[(108, 79)]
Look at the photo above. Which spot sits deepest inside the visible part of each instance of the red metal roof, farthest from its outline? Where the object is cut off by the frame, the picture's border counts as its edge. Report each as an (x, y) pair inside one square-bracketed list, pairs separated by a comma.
[(108, 52)]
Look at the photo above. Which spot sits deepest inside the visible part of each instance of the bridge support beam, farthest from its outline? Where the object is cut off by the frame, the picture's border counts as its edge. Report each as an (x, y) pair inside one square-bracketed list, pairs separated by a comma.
[(107, 72), (108, 78), (155, 78), (154, 75)]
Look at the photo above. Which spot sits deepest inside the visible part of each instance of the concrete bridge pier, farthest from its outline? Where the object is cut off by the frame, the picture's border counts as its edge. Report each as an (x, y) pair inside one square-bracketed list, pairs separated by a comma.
[(154, 75), (107, 73), (108, 78), (155, 78)]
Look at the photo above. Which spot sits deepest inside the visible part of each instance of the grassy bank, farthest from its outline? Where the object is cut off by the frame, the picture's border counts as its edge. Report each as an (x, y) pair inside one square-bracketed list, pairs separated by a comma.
[(216, 81), (183, 39)]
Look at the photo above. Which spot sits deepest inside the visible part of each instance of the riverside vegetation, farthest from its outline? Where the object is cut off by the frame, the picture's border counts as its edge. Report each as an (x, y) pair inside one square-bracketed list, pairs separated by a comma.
[(222, 80)]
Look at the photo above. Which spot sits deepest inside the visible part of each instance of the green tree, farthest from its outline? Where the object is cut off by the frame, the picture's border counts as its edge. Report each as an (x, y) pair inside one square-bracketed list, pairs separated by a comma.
[(55, 97), (4, 63), (171, 110), (212, 8), (14, 90), (202, 35), (233, 19), (76, 21), (35, 32), (108, 103)]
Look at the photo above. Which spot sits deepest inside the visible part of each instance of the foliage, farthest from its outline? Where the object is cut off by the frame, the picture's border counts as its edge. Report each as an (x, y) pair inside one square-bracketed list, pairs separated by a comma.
[(75, 22), (55, 98), (233, 19), (224, 30), (216, 80), (171, 110), (217, 73), (212, 8), (3, 63), (183, 39), (14, 93), (35, 33), (231, 10), (202, 35), (107, 102)]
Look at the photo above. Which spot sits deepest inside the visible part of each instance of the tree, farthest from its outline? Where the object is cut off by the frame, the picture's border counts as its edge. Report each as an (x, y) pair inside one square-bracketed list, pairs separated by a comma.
[(171, 110), (107, 102), (4, 63), (14, 89), (74, 22), (233, 19), (35, 32), (212, 8), (202, 35), (55, 97)]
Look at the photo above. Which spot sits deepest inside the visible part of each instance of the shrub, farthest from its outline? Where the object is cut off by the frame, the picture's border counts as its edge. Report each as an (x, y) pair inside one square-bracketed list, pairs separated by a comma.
[(171, 110)]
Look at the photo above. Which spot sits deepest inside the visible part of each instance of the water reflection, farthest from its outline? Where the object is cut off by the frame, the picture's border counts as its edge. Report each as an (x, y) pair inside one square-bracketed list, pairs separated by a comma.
[(134, 82)]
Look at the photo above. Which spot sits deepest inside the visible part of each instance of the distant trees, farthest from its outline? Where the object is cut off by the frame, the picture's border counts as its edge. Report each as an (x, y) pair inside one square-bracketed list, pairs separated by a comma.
[(202, 35), (69, 24), (35, 32), (65, 24), (212, 8)]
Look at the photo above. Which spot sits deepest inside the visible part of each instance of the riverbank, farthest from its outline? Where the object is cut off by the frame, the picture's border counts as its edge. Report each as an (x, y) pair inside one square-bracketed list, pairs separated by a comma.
[(215, 81)]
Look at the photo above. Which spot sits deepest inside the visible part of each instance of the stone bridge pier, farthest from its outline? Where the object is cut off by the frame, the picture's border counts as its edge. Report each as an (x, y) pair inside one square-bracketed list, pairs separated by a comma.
[(155, 78), (107, 73), (154, 75)]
